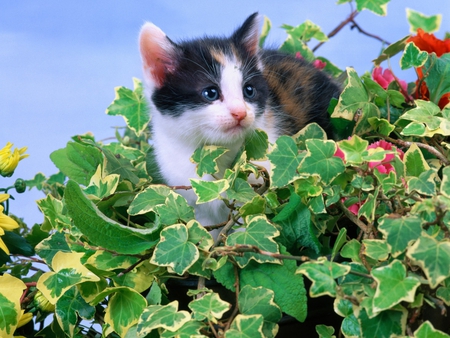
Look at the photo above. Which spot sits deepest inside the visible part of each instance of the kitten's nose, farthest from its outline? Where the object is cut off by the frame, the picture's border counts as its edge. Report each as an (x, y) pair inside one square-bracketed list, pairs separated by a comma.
[(238, 110), (239, 114)]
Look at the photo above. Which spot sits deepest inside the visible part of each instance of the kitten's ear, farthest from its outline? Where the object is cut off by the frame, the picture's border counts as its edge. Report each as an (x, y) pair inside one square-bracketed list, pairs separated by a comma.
[(248, 34), (158, 52)]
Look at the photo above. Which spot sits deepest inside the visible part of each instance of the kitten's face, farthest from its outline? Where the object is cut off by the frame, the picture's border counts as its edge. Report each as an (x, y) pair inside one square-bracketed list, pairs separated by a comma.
[(211, 90)]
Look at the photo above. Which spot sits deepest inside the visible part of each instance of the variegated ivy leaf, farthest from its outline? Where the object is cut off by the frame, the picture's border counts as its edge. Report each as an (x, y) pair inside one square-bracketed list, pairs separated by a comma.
[(426, 330), (11, 289), (206, 158), (354, 104), (208, 191), (256, 145), (48, 248), (162, 316), (445, 184), (54, 213), (101, 186), (325, 331), (320, 160), (415, 163), (260, 301), (443, 292), (311, 131), (376, 6), (132, 106), (393, 286), (210, 306), (389, 323), (412, 57), (174, 249), (376, 249), (107, 261), (425, 114), (424, 184), (418, 20), (175, 210), (148, 199), (267, 25), (69, 307), (323, 276), (246, 326), (306, 31), (125, 306), (260, 233), (284, 160), (433, 256), (353, 149), (189, 329), (67, 271), (400, 232), (240, 190)]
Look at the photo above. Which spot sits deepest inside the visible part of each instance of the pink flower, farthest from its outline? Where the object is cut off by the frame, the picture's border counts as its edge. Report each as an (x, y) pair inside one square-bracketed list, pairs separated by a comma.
[(384, 166), (339, 153), (384, 78), (319, 64), (298, 55)]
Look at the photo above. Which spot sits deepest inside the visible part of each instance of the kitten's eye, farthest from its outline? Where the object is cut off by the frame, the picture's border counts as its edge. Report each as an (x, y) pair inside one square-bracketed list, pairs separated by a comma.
[(211, 93), (249, 91)]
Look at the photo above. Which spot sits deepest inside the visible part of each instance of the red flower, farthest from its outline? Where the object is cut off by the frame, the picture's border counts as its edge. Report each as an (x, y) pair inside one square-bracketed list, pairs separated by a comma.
[(429, 43), (384, 78), (384, 166), (319, 64)]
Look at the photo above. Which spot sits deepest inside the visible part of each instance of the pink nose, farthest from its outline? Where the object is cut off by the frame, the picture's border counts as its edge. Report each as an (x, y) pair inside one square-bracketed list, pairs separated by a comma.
[(239, 114)]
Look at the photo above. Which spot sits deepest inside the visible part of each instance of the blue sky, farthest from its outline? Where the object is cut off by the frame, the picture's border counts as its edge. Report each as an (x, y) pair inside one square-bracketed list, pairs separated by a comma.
[(60, 60)]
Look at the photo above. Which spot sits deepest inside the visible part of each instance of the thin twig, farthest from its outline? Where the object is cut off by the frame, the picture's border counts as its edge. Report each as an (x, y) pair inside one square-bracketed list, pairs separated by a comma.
[(362, 31), (354, 218), (408, 144), (237, 290)]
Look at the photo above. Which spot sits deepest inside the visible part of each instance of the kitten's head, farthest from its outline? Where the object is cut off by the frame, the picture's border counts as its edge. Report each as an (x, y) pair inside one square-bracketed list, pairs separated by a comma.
[(211, 89)]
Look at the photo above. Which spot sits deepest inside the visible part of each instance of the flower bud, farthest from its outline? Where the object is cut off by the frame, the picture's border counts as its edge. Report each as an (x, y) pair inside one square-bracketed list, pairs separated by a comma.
[(20, 185)]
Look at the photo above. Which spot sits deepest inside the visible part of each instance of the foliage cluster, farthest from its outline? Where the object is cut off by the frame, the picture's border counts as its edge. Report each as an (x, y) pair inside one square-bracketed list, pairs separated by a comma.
[(364, 219)]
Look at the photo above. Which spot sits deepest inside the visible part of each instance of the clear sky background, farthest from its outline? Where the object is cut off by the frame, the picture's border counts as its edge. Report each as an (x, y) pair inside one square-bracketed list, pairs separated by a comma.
[(60, 61)]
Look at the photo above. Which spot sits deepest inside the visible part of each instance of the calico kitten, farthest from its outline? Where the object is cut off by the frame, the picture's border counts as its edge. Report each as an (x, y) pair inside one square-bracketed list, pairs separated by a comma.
[(219, 90)]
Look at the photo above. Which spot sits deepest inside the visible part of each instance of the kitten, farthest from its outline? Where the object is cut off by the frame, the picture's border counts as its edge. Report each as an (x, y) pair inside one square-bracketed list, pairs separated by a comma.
[(219, 90)]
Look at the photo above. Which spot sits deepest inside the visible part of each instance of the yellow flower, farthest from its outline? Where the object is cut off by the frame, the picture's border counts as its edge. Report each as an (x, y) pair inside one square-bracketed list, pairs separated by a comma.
[(6, 223), (9, 159)]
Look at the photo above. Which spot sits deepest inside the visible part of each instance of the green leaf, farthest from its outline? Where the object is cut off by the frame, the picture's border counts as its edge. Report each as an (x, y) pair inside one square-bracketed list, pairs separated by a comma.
[(260, 233), (376, 6), (267, 25), (48, 248), (415, 163), (148, 199), (322, 275), (400, 232), (256, 145), (207, 191), (306, 31), (426, 330), (351, 250), (37, 181), (210, 306), (256, 206), (311, 131), (206, 159), (290, 293), (433, 256), (67, 272), (188, 330), (445, 184), (438, 79), (54, 213), (102, 186), (325, 331), (241, 191), (426, 113), (69, 307), (124, 308), (353, 149), (376, 249), (117, 164), (320, 160), (175, 210), (390, 323), (132, 106), (246, 326), (391, 50), (443, 292), (418, 20), (162, 316), (393, 286), (101, 230), (284, 161), (259, 301), (413, 57), (175, 250), (354, 104), (424, 184), (11, 291), (77, 161)]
